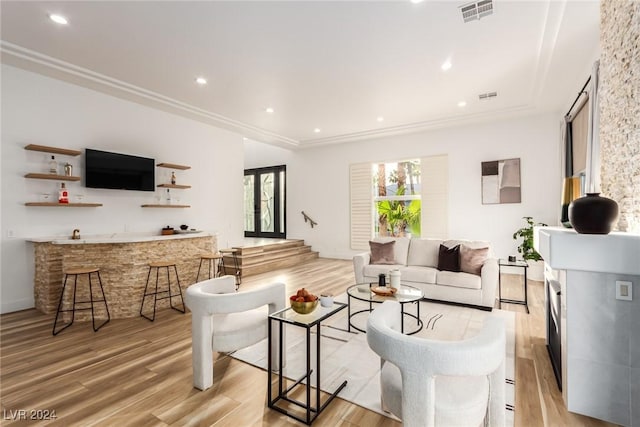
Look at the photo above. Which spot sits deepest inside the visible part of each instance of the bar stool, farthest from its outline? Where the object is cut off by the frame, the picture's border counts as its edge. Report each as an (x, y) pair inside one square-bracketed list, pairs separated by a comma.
[(223, 267), (214, 264), (75, 273), (158, 265)]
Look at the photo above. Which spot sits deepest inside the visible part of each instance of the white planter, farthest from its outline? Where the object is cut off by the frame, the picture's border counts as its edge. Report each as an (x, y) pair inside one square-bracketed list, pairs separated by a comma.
[(536, 270)]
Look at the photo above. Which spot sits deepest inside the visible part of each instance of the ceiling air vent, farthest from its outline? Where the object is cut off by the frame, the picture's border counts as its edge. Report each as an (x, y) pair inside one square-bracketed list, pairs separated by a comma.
[(476, 10), (487, 96)]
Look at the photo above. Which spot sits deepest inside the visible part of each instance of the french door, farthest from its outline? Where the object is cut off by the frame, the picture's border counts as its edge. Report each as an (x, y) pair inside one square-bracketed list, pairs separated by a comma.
[(264, 202)]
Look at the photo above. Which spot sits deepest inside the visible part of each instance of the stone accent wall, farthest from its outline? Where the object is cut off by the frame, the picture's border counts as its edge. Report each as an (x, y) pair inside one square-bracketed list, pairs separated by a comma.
[(620, 108), (123, 269)]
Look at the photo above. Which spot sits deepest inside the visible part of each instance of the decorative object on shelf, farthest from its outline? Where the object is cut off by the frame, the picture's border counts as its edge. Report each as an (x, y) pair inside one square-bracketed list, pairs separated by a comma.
[(76, 234), (53, 166), (173, 178), (384, 291), (63, 194), (184, 227), (526, 246), (593, 214), (512, 258), (501, 181), (166, 231), (571, 190), (168, 197), (68, 169)]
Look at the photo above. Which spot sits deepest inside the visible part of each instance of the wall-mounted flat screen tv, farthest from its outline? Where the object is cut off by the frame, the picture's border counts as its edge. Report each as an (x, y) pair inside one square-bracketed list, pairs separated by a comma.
[(118, 171)]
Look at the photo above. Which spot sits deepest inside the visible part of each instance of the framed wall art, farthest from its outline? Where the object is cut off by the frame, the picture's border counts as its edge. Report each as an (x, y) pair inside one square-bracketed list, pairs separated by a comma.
[(501, 181)]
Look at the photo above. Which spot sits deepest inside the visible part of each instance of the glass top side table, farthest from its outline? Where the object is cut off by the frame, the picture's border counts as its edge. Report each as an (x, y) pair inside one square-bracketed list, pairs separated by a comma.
[(289, 317), (519, 264)]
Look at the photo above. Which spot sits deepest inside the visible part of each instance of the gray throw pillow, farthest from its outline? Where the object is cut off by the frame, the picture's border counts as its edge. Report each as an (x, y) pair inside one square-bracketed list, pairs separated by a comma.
[(382, 253), (471, 260)]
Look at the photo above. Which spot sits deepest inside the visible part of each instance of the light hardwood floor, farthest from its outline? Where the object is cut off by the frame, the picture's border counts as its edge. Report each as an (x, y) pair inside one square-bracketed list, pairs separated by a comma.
[(134, 372)]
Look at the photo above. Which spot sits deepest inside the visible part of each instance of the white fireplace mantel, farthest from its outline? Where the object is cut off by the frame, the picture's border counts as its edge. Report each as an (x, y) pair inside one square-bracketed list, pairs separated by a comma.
[(599, 334), (564, 249)]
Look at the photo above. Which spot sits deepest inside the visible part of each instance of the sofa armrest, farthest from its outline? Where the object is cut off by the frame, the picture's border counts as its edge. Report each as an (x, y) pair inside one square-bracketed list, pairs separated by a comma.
[(489, 279), (359, 261)]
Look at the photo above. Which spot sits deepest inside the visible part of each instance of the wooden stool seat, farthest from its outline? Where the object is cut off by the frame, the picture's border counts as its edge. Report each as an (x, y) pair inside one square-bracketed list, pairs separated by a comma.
[(78, 305), (162, 264), (158, 265), (214, 259), (76, 271)]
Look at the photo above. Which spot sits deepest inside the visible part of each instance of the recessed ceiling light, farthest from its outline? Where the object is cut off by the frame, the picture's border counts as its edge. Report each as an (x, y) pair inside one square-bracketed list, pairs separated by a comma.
[(317, 130), (58, 19), (244, 138), (446, 65), (416, 1), (201, 81), (462, 104), (269, 110), (380, 119)]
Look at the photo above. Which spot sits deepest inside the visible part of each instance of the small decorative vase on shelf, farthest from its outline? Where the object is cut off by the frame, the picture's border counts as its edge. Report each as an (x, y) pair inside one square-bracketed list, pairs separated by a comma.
[(593, 214)]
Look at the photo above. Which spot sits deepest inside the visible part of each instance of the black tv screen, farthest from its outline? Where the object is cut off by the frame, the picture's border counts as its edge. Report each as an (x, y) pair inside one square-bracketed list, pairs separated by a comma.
[(118, 171)]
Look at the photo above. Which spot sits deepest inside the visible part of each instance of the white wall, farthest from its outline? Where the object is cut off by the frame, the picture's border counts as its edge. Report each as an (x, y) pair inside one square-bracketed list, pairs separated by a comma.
[(318, 180), (40, 110)]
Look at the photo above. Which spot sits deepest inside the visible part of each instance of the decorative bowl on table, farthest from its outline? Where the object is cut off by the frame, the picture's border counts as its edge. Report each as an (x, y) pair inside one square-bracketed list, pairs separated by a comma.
[(384, 291), (304, 307), (303, 302)]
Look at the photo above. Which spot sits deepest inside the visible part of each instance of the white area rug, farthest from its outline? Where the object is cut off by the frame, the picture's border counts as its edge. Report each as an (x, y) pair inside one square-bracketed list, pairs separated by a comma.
[(346, 356)]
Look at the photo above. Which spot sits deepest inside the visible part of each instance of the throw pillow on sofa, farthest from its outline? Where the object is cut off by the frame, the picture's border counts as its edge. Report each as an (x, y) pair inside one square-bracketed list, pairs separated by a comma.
[(449, 258), (471, 260), (382, 253)]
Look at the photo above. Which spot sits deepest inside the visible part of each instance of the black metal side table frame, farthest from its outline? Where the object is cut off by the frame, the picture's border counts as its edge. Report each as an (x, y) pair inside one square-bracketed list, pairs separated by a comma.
[(416, 316), (520, 264), (312, 409)]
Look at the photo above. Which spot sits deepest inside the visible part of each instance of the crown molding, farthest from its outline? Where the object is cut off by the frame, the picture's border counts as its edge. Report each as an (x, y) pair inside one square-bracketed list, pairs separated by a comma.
[(30, 60), (423, 126)]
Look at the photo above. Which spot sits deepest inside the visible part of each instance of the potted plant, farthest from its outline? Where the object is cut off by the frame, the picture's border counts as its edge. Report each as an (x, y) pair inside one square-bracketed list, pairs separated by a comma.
[(527, 250)]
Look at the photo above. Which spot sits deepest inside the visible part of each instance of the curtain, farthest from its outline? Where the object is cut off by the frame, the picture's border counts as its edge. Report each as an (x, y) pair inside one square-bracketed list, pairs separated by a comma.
[(593, 136)]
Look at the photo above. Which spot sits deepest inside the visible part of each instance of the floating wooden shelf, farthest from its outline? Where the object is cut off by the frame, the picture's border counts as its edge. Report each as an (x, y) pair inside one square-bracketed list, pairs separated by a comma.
[(52, 176), (54, 150), (64, 205), (174, 186), (166, 206), (173, 166)]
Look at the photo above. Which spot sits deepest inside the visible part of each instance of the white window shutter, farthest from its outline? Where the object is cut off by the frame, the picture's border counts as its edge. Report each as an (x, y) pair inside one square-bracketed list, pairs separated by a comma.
[(435, 196), (360, 186)]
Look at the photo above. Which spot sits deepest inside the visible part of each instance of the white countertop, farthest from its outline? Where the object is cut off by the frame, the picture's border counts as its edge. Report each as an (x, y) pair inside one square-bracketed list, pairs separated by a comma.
[(565, 249), (118, 238)]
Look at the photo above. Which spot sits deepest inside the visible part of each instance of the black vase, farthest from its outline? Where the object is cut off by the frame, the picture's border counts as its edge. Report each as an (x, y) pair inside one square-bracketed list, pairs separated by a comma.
[(593, 214)]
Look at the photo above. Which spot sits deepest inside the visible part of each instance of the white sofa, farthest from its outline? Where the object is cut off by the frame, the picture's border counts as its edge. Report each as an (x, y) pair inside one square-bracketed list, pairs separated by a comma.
[(417, 260)]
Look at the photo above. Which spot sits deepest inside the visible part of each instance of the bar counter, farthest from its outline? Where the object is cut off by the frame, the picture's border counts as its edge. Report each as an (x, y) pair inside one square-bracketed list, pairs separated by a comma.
[(123, 260)]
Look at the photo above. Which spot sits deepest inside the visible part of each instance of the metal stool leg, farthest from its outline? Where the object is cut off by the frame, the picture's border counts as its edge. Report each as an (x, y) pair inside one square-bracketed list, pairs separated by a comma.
[(237, 266), (59, 310), (199, 267), (144, 296), (179, 290), (104, 299)]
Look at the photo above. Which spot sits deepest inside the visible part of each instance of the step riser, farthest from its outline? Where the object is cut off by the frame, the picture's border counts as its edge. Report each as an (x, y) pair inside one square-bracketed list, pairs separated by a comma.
[(286, 262), (259, 259)]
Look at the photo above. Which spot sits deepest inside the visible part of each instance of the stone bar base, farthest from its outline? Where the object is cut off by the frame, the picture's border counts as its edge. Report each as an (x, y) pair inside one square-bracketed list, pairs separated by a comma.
[(123, 268)]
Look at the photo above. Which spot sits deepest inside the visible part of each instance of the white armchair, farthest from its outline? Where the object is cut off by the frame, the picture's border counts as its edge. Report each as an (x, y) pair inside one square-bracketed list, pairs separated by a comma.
[(224, 320), (439, 383)]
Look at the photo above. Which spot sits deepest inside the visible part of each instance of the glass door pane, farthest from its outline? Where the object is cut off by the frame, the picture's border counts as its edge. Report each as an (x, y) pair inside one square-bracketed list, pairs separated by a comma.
[(267, 211), (249, 204)]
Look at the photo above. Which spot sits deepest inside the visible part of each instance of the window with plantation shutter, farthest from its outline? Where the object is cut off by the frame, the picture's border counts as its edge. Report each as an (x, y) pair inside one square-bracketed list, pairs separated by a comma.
[(360, 205)]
